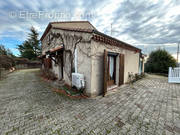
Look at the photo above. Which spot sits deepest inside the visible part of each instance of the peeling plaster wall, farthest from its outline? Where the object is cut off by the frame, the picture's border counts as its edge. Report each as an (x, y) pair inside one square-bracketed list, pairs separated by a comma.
[(83, 50), (84, 64), (44, 42), (56, 69), (131, 64), (90, 60)]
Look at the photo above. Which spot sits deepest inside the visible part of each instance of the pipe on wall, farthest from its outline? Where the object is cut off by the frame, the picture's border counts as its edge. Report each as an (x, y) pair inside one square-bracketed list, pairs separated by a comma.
[(75, 60)]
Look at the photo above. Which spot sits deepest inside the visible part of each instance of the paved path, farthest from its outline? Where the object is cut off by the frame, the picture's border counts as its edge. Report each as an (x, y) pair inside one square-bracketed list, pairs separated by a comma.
[(28, 106)]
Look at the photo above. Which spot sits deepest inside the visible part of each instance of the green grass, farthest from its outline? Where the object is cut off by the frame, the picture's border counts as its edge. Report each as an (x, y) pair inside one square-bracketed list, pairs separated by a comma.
[(71, 91)]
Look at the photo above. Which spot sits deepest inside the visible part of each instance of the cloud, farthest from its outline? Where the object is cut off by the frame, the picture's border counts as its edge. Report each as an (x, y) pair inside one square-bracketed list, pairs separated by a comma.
[(149, 23), (15, 51)]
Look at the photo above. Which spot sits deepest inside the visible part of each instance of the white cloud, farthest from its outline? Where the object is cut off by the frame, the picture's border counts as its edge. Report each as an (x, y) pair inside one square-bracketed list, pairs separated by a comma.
[(15, 51), (135, 22), (175, 56), (16, 3)]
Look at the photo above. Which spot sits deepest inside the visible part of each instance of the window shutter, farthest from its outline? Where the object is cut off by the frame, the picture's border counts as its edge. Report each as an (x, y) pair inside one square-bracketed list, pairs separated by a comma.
[(121, 69)]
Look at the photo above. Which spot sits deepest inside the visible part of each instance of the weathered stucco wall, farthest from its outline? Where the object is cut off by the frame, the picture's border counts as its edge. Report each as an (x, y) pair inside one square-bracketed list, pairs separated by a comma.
[(83, 52), (56, 70), (45, 47), (90, 59), (84, 64), (131, 64)]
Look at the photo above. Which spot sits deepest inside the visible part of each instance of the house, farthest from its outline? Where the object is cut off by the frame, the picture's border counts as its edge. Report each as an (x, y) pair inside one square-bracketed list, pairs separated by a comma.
[(77, 46)]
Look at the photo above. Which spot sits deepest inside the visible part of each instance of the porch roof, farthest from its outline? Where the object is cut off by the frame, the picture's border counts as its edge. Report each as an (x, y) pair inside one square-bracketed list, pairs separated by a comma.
[(56, 49)]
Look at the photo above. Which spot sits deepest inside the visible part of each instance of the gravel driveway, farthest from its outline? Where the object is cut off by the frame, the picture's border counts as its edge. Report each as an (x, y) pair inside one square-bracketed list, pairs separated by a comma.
[(28, 106)]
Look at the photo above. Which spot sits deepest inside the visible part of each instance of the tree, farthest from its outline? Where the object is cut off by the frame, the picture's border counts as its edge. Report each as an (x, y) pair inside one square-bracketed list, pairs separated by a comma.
[(4, 51), (6, 62), (6, 58), (159, 61), (9, 53), (31, 47)]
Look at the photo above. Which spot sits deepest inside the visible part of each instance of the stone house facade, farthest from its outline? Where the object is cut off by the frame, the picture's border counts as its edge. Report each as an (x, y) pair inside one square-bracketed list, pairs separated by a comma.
[(104, 61)]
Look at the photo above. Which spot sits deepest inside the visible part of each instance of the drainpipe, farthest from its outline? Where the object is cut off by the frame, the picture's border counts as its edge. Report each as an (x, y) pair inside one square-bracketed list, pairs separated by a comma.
[(75, 60)]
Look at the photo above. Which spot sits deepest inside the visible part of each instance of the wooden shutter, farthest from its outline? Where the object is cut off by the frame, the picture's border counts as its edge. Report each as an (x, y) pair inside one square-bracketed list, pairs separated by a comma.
[(121, 69), (105, 73)]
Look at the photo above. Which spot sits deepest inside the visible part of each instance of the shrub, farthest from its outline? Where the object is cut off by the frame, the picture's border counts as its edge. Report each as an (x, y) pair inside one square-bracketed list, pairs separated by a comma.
[(48, 74), (159, 61), (6, 62), (135, 77)]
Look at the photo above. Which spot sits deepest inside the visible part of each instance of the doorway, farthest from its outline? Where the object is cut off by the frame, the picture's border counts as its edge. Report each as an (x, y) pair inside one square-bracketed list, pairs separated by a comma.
[(111, 69), (60, 64)]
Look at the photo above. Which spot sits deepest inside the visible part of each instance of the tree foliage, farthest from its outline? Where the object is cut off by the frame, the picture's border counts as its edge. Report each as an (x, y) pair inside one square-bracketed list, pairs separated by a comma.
[(6, 58), (4, 51), (31, 47), (6, 62), (159, 61)]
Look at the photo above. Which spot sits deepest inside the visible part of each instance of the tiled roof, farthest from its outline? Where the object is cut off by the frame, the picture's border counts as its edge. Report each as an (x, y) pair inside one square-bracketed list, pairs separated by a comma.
[(79, 26), (85, 26), (74, 25), (101, 37)]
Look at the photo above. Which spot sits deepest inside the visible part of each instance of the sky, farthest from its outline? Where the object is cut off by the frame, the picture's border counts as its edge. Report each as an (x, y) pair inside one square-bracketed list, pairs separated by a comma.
[(146, 24)]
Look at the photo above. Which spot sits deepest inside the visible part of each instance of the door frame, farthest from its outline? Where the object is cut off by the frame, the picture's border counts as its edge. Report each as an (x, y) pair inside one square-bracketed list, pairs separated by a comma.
[(111, 82), (105, 68), (60, 63)]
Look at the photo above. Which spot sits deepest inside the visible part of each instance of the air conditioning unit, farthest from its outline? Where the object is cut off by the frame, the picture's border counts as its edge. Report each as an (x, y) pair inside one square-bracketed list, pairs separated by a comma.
[(78, 80)]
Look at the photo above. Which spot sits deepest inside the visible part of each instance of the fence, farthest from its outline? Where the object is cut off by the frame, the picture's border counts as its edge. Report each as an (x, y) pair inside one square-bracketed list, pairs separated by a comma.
[(29, 65), (21, 66), (174, 75)]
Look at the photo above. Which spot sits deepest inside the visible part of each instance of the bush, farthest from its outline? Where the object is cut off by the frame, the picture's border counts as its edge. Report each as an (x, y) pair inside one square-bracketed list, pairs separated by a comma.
[(48, 74), (135, 77), (159, 61), (6, 62)]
